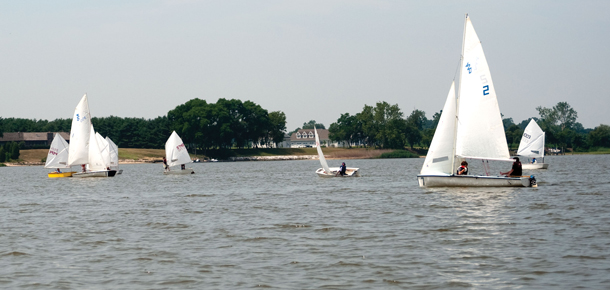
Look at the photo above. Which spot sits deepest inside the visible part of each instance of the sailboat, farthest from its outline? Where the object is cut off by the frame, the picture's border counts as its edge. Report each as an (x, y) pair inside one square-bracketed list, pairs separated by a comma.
[(470, 126), (326, 171), (114, 156), (58, 157), (532, 146), (86, 148), (176, 154)]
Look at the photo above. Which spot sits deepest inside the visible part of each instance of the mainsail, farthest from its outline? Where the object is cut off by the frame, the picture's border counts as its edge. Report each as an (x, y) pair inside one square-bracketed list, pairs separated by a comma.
[(320, 154), (175, 151), (79, 134), (532, 142), (440, 154), (480, 131), (58, 153)]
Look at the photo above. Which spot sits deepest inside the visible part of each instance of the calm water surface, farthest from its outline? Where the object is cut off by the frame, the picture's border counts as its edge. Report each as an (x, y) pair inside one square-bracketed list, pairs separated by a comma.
[(277, 225)]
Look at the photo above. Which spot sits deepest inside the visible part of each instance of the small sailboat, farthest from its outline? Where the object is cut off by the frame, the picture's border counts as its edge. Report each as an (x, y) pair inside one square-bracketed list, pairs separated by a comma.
[(176, 154), (326, 171), (470, 126), (532, 146), (58, 157), (86, 150)]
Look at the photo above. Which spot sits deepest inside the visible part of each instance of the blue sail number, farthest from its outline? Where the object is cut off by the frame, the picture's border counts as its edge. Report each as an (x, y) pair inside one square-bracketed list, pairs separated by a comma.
[(485, 90)]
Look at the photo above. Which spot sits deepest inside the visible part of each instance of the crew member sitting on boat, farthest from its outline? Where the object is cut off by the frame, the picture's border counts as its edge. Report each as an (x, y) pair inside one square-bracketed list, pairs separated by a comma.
[(516, 170), (84, 168), (463, 169), (182, 167), (342, 169), (165, 164), (534, 160), (57, 170)]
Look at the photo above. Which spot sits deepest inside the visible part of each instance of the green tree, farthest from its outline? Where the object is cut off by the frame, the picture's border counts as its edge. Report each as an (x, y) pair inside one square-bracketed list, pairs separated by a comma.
[(600, 136), (277, 128), (415, 126), (14, 150), (346, 129), (2, 154)]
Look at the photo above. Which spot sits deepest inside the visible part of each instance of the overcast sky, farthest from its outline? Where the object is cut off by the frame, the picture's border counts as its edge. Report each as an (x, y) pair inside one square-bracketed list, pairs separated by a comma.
[(309, 59)]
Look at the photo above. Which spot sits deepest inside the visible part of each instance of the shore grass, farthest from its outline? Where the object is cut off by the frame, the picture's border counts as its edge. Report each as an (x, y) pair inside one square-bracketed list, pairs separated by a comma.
[(399, 154)]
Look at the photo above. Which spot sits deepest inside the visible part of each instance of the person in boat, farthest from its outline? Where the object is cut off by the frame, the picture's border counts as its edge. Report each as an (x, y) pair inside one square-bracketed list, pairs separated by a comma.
[(182, 167), (165, 164), (463, 169), (534, 160), (342, 169), (84, 168), (517, 169), (57, 170)]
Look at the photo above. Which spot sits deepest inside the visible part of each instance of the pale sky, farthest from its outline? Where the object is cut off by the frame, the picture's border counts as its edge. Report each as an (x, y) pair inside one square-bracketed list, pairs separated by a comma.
[(309, 59)]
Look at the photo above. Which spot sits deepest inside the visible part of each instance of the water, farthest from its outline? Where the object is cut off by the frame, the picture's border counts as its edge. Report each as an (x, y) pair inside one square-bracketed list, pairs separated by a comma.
[(277, 225)]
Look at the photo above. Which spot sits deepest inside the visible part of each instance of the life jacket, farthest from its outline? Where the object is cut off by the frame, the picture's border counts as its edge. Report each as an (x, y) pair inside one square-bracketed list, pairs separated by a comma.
[(460, 169)]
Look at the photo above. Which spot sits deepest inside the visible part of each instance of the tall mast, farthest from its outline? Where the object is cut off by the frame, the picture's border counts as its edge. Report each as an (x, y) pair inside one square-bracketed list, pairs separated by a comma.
[(457, 107)]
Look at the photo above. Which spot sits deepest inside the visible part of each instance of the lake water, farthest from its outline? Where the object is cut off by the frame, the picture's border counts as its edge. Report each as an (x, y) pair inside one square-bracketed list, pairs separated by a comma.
[(277, 225)]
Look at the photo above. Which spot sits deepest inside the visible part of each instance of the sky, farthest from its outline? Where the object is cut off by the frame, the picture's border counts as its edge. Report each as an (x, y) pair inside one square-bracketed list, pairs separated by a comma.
[(313, 60)]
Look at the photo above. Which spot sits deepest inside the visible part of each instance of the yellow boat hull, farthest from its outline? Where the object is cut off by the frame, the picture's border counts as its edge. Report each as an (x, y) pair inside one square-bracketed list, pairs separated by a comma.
[(60, 175)]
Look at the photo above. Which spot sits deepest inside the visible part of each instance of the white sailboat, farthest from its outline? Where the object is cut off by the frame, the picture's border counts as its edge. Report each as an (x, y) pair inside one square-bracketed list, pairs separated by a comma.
[(98, 157), (82, 138), (326, 171), (470, 126), (176, 154), (532, 146), (58, 157), (114, 156)]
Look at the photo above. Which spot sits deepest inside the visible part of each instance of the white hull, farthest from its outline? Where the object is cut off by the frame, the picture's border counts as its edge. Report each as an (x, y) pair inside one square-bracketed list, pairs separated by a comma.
[(349, 172), (102, 173), (179, 172), (535, 166), (474, 181)]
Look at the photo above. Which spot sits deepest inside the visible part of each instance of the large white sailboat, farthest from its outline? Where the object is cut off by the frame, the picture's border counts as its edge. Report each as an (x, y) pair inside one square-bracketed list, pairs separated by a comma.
[(470, 126), (58, 157), (532, 146), (176, 154), (326, 171), (86, 148)]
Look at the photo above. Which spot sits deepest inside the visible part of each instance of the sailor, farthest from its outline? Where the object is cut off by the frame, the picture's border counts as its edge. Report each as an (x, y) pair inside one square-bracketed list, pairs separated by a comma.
[(534, 160), (165, 164), (342, 169), (463, 169), (182, 167), (57, 170), (517, 170), (84, 168)]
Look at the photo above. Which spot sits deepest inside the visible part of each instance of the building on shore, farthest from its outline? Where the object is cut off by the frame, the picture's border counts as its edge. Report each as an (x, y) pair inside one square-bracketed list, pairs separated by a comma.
[(32, 139)]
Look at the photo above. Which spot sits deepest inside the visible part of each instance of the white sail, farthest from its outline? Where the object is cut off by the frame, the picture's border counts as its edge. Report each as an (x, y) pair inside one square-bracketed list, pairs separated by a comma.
[(439, 159), (104, 148), (480, 132), (114, 153), (175, 151), (79, 134), (320, 154), (58, 153), (96, 159), (532, 142)]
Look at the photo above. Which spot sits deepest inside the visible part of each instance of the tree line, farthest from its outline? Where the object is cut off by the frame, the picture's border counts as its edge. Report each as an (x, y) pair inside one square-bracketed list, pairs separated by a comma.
[(201, 125), (384, 126)]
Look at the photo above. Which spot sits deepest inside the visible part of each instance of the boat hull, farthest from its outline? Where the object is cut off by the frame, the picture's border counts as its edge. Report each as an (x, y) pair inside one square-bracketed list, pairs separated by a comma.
[(475, 181), (180, 172), (101, 173), (61, 175), (530, 166), (349, 172)]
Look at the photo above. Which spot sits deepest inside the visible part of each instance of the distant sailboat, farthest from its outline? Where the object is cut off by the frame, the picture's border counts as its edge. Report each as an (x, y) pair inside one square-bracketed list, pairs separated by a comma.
[(532, 146), (470, 127), (325, 171), (114, 156), (58, 157), (176, 154), (86, 149)]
